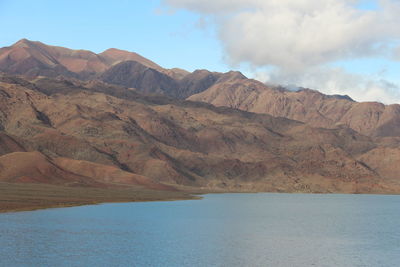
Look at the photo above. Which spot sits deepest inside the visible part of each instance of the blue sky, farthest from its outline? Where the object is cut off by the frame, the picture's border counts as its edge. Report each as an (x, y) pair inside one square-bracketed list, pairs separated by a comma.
[(172, 33), (171, 40)]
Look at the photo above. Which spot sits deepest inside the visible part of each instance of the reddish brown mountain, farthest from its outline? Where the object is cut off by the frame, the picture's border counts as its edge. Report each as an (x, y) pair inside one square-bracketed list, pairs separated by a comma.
[(93, 126), (231, 89), (147, 80), (135, 75), (114, 56), (35, 58), (181, 142), (113, 66), (200, 80), (30, 58), (312, 107)]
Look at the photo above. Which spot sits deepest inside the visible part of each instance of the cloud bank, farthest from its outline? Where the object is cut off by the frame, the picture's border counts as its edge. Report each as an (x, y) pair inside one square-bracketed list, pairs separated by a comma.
[(297, 37), (331, 80)]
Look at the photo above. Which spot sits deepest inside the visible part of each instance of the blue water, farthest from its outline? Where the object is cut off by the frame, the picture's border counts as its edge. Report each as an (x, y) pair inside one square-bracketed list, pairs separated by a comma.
[(220, 230)]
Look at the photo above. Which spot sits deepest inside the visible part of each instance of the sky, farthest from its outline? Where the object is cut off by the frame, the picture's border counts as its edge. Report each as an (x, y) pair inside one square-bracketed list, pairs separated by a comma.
[(335, 46)]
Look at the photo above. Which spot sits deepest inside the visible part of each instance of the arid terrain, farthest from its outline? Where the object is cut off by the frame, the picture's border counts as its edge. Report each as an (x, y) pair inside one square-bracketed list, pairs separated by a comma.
[(83, 124)]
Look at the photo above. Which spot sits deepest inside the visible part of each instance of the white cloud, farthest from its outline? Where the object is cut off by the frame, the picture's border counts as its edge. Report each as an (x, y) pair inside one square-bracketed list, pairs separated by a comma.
[(297, 37), (212, 7), (297, 34), (337, 81), (396, 54)]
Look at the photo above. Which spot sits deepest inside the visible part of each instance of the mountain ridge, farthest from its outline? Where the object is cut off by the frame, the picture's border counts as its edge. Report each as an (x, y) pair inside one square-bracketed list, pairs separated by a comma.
[(231, 89), (210, 130), (309, 106)]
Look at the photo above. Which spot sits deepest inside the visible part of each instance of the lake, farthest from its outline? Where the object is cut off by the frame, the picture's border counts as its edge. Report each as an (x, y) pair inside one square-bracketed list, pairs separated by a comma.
[(220, 230)]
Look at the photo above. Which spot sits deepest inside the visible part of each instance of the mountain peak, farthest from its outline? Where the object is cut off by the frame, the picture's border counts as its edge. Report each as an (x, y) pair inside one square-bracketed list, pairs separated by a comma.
[(114, 55), (23, 43), (114, 50)]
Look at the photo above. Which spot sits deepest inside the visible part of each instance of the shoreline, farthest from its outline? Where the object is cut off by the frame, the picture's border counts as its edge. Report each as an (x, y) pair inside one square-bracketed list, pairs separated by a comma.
[(31, 197), (92, 204)]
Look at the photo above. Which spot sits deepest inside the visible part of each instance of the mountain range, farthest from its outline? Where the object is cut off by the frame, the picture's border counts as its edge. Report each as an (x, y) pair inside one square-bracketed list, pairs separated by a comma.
[(77, 118)]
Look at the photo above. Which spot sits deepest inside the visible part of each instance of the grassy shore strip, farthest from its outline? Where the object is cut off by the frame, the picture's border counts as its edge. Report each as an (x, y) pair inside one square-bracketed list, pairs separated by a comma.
[(25, 197)]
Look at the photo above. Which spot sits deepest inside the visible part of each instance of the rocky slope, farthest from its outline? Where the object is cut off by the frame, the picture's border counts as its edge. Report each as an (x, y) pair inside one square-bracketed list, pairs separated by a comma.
[(111, 134), (135, 75)]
